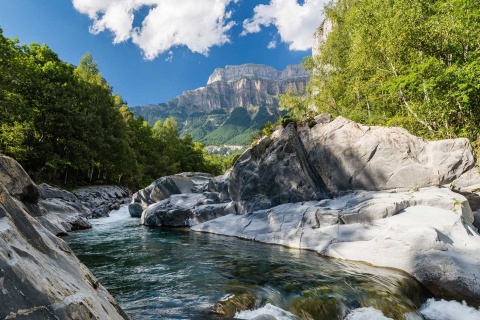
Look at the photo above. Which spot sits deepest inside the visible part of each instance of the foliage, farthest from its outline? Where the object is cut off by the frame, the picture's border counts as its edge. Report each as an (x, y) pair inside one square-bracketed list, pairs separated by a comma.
[(414, 64), (65, 126)]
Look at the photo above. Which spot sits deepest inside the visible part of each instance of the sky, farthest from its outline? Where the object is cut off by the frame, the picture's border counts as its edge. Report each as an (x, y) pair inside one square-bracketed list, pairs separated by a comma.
[(150, 51)]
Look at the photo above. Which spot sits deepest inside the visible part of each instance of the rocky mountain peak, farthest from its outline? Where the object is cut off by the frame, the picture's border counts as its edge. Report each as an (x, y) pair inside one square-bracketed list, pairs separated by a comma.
[(233, 73)]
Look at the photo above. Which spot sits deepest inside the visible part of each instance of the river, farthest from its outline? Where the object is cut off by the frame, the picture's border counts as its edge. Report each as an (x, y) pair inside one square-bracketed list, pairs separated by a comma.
[(159, 273)]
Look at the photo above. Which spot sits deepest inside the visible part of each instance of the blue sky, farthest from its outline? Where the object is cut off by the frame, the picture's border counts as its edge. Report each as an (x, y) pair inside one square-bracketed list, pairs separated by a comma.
[(152, 50)]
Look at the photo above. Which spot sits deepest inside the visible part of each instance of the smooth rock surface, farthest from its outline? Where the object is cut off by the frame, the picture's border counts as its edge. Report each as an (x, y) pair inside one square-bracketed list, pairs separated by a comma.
[(427, 233), (40, 278), (330, 157), (186, 209), (163, 188)]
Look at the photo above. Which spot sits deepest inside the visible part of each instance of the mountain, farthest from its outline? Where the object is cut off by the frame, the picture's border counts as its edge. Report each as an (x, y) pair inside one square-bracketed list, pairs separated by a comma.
[(236, 102)]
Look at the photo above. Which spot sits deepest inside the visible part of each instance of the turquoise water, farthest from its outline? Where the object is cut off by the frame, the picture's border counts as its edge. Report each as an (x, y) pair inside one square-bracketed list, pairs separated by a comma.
[(179, 274)]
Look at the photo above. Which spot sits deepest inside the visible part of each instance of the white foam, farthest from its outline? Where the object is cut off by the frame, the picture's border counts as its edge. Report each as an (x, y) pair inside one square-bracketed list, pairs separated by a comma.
[(269, 309), (369, 313), (448, 310)]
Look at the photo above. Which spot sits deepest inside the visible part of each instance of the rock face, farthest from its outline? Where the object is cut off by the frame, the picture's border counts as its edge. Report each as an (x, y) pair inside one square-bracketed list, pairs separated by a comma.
[(39, 275), (233, 73), (103, 199), (427, 233), (254, 89), (334, 156), (320, 36)]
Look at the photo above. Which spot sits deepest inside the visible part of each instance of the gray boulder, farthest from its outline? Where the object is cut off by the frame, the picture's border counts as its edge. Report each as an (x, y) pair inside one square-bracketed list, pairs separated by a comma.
[(40, 277), (163, 188), (186, 209), (17, 181), (275, 171), (103, 199), (59, 211), (329, 157)]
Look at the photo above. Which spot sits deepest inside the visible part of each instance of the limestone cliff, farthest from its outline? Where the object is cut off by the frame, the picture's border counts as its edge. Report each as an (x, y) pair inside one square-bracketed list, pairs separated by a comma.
[(251, 87)]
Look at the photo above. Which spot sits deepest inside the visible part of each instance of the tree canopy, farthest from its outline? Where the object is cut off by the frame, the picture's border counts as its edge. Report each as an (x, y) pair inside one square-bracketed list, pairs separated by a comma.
[(414, 64), (65, 126)]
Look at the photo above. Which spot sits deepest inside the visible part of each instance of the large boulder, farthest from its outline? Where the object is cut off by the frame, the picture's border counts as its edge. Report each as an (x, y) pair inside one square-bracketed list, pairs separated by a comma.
[(427, 233), (40, 277), (186, 209), (328, 157), (17, 181), (163, 188), (275, 171), (59, 211)]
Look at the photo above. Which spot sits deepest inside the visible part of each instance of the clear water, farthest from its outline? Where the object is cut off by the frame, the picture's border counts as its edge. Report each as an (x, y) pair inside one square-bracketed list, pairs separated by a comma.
[(179, 274)]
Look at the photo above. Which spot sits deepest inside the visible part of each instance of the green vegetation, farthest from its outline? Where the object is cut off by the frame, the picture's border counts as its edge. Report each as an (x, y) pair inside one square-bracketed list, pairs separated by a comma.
[(64, 125), (414, 64)]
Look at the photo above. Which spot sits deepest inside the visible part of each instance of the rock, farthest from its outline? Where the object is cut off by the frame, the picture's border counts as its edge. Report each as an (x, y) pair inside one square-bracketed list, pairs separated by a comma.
[(103, 199), (350, 156), (163, 188), (320, 36), (186, 209), (333, 157), (234, 303), (40, 277), (233, 73), (17, 181), (274, 171), (427, 233)]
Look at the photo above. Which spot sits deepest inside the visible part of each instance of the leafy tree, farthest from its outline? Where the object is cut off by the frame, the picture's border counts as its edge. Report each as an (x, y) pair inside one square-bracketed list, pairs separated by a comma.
[(401, 62)]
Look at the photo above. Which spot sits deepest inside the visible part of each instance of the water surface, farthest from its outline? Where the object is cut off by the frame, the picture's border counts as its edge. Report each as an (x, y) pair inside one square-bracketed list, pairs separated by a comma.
[(178, 274)]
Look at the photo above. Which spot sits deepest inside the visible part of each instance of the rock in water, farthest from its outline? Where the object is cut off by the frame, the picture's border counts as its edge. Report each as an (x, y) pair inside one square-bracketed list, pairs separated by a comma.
[(40, 278), (313, 162), (163, 188)]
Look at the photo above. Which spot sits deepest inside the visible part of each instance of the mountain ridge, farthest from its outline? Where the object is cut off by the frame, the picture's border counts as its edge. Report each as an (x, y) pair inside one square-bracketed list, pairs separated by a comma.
[(202, 112)]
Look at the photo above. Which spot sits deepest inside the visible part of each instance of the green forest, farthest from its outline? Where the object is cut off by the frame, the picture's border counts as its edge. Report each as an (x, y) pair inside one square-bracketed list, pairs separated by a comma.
[(414, 64), (65, 126)]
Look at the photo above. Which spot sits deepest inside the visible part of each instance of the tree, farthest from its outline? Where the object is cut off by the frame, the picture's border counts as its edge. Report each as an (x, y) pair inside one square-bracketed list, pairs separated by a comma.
[(400, 62)]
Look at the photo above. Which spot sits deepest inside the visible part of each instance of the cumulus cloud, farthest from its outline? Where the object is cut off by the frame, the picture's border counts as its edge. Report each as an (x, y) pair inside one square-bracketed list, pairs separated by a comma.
[(198, 25), (295, 22)]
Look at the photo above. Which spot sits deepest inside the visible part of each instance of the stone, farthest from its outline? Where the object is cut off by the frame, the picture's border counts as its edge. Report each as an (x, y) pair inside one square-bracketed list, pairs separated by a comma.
[(274, 171), (103, 198), (40, 277), (17, 181), (163, 188), (302, 163), (183, 210), (426, 233)]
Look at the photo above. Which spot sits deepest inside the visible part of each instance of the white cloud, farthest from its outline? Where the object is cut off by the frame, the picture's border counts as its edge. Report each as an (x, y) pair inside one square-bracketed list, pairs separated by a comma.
[(295, 23), (272, 44), (198, 25), (170, 56)]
